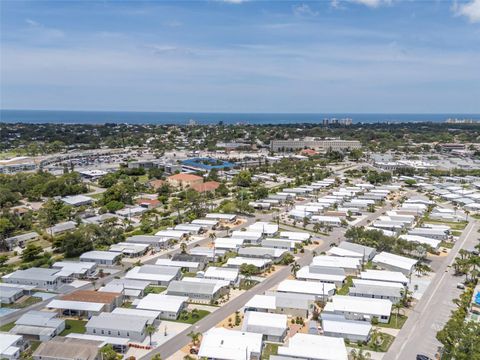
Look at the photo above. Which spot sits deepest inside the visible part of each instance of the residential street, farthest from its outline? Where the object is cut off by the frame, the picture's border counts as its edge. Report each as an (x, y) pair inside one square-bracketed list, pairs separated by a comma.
[(418, 335)]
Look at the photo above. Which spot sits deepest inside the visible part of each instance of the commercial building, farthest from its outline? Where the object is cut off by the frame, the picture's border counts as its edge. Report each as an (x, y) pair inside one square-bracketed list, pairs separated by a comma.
[(184, 180), (315, 144)]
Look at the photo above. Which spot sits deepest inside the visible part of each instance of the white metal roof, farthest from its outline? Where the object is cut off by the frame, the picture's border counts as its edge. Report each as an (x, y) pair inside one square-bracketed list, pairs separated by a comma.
[(397, 261), (308, 346), (229, 274), (338, 251), (305, 273), (422, 240), (295, 235), (262, 302), (161, 302), (238, 261), (221, 343), (361, 305), (337, 261), (305, 287), (75, 305), (265, 323), (383, 275), (347, 327), (100, 255), (175, 234)]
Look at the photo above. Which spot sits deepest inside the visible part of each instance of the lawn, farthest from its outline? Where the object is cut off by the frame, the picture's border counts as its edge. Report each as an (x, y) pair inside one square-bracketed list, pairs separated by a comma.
[(455, 225), (269, 349), (189, 274), (7, 327), (447, 244), (191, 318), (26, 303), (383, 347), (154, 289), (393, 323), (344, 289), (74, 326)]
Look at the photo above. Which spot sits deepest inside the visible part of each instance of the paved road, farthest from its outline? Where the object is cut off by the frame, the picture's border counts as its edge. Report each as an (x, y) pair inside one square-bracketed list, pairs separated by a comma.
[(433, 310)]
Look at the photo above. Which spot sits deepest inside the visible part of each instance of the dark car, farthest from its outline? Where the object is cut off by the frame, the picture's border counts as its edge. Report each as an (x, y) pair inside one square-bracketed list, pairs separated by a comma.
[(423, 357)]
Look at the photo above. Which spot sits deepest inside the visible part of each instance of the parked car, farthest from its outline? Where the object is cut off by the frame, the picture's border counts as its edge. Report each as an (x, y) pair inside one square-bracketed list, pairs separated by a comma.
[(460, 286)]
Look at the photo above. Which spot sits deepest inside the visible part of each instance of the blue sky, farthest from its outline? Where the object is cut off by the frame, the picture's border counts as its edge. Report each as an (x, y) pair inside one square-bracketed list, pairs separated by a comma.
[(242, 56)]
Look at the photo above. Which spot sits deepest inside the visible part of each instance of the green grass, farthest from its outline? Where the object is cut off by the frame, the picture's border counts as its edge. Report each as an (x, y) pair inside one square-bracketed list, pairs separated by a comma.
[(26, 303), (188, 318), (383, 347), (189, 274), (344, 289), (455, 225), (456, 233), (154, 289), (34, 345), (268, 350), (74, 326), (393, 323), (447, 244), (7, 327)]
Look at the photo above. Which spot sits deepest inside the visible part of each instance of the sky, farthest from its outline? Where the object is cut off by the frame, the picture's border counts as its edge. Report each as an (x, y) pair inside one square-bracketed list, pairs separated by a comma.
[(348, 56)]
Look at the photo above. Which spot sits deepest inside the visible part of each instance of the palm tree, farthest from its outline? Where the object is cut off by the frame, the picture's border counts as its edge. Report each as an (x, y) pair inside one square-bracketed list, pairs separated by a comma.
[(157, 357), (316, 227), (376, 339), (294, 267), (195, 336), (150, 330), (397, 307), (183, 248)]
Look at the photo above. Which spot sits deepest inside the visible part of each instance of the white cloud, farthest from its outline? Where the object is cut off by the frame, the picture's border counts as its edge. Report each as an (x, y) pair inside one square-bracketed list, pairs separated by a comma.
[(32, 22), (304, 10), (471, 10)]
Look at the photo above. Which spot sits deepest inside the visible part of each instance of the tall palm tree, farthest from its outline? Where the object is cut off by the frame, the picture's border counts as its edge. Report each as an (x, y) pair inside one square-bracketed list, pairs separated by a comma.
[(150, 330), (183, 248), (195, 336), (294, 267), (397, 307)]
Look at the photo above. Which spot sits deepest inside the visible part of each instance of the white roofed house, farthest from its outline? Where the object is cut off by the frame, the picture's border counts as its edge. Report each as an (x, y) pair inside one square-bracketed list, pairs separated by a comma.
[(228, 244), (237, 262), (275, 255), (172, 234), (351, 265), (40, 278), (128, 287), (130, 249), (384, 275), (377, 289), (194, 229), (11, 346), (273, 327), (170, 306), (433, 243), (183, 265), (295, 235), (158, 275), (321, 291), (105, 258), (438, 234), (327, 220), (61, 228), (285, 244), (359, 308), (250, 237), (222, 273), (265, 228), (156, 242), (38, 325), (118, 325), (323, 274), (198, 289), (76, 269), (225, 344), (222, 217), (353, 330), (312, 347), (394, 262), (77, 200), (20, 240)]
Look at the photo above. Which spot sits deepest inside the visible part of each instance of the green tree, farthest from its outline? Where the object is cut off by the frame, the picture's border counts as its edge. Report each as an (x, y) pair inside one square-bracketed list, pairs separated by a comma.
[(150, 330), (294, 267), (31, 252)]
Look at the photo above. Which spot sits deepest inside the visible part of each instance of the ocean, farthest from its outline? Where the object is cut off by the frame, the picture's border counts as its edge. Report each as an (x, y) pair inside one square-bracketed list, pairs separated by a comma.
[(181, 118)]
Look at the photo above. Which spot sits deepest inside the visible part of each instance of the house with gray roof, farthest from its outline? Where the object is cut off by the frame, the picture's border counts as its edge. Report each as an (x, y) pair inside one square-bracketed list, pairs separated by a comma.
[(199, 289), (118, 325), (38, 325), (367, 251), (41, 278), (262, 252), (20, 240), (61, 228)]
